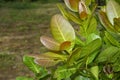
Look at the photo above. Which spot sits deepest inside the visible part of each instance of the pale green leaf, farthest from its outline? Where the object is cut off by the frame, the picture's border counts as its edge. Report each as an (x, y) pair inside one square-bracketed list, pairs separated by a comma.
[(95, 71), (61, 29), (112, 9)]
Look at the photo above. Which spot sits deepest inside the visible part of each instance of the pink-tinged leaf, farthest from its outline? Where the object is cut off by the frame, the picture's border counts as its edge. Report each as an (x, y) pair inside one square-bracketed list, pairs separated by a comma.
[(72, 4), (50, 43), (48, 59), (46, 62), (105, 22), (65, 45), (83, 12)]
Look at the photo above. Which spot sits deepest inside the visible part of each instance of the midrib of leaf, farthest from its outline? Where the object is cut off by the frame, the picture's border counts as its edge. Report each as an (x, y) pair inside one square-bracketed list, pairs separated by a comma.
[(59, 29), (114, 10), (34, 66)]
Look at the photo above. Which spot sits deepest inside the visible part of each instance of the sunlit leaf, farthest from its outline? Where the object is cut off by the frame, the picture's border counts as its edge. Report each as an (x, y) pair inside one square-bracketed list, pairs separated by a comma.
[(95, 71), (92, 37), (50, 43), (83, 10), (112, 9), (105, 22), (72, 4), (61, 29)]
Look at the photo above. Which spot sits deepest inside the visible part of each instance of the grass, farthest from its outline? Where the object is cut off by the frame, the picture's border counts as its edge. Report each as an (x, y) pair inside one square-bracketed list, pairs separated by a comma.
[(20, 29)]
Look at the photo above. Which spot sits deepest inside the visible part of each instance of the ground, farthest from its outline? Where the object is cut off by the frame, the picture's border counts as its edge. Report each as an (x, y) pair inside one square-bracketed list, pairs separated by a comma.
[(20, 30)]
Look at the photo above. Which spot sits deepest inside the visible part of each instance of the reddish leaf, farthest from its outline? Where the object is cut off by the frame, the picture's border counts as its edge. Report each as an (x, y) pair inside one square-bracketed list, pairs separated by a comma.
[(50, 43)]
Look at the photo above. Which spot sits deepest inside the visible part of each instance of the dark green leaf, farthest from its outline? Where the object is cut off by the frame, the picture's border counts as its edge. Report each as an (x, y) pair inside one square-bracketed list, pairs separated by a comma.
[(117, 24), (107, 54), (112, 40)]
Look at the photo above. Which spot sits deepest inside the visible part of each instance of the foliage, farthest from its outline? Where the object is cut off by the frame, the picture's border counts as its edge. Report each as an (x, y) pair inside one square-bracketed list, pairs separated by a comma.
[(90, 53)]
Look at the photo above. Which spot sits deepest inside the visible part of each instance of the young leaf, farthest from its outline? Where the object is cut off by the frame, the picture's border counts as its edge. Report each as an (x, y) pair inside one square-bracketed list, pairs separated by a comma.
[(69, 15), (29, 62), (112, 40), (83, 10), (72, 4), (48, 59), (105, 22), (61, 29), (106, 54), (113, 11), (50, 43)]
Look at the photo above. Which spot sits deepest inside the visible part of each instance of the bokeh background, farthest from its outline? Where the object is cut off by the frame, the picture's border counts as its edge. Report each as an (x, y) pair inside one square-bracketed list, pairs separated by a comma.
[(22, 22)]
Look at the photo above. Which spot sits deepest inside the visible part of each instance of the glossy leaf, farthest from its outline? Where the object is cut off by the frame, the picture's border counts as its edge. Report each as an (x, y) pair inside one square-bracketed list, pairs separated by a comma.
[(117, 24), (106, 54), (113, 11), (82, 78), (72, 4), (105, 22), (112, 40), (83, 10), (29, 62), (50, 43), (92, 37), (61, 29)]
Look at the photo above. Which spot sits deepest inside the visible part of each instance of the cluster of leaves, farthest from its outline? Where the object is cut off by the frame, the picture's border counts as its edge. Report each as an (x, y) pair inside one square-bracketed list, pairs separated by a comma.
[(90, 53)]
